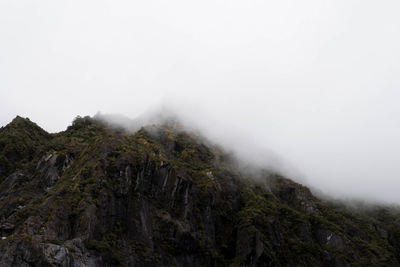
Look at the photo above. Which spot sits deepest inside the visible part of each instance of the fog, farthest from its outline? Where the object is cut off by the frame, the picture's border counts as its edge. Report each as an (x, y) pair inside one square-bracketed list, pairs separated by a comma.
[(313, 84)]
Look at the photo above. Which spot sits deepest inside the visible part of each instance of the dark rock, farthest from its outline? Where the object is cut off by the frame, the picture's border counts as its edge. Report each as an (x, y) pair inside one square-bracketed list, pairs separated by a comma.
[(97, 196)]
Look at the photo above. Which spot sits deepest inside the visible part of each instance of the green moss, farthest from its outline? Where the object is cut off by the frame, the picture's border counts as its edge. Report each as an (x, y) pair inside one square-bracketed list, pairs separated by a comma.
[(99, 246), (70, 249), (54, 241), (272, 214)]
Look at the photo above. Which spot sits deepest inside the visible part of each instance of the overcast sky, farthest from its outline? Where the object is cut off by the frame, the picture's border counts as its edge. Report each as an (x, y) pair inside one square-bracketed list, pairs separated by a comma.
[(316, 82)]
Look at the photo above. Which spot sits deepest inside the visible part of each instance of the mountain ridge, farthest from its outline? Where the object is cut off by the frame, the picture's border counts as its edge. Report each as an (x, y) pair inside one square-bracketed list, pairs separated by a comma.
[(95, 195)]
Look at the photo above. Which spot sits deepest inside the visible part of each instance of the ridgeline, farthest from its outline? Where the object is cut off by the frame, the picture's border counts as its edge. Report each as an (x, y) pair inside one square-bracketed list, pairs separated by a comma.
[(96, 195)]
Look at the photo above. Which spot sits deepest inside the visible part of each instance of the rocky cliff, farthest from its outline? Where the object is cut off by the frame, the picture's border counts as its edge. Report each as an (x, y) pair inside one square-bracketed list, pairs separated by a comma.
[(99, 196)]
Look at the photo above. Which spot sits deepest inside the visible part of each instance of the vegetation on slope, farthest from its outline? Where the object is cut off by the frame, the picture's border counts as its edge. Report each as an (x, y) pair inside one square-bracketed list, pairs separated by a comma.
[(99, 196)]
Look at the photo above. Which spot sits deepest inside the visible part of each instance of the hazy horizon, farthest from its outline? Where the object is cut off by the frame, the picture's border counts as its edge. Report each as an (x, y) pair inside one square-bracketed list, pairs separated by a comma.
[(314, 83)]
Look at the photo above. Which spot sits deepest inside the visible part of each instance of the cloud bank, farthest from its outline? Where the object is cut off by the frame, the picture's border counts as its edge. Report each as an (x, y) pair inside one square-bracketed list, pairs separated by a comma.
[(315, 82)]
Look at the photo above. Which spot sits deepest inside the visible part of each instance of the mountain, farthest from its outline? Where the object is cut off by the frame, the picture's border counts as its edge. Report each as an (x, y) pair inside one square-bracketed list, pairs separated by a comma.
[(96, 195)]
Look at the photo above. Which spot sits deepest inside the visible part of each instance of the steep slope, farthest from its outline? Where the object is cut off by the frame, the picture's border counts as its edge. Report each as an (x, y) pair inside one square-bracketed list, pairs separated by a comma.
[(19, 142), (97, 196)]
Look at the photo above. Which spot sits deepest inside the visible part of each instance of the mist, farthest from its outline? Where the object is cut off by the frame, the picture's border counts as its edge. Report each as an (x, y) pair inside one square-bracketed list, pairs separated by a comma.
[(310, 86)]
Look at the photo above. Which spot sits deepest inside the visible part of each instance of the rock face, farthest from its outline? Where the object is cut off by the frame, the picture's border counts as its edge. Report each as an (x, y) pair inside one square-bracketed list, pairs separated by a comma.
[(95, 196), (51, 166)]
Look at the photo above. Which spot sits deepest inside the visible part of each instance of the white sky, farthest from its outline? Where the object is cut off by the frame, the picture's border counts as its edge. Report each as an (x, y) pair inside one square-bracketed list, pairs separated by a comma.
[(317, 82)]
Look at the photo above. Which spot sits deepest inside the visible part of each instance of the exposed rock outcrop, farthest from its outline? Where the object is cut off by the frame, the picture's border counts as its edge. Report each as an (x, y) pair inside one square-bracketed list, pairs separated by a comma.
[(95, 196)]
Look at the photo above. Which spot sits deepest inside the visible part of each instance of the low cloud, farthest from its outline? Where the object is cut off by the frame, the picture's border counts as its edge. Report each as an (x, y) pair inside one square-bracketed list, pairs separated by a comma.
[(310, 87)]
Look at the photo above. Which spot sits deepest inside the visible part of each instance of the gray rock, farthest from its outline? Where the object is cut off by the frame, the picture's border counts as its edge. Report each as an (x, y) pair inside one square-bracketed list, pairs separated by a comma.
[(56, 255)]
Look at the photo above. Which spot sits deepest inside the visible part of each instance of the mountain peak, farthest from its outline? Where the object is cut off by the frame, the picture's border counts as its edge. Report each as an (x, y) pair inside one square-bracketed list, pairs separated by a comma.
[(19, 141), (21, 120), (23, 123)]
